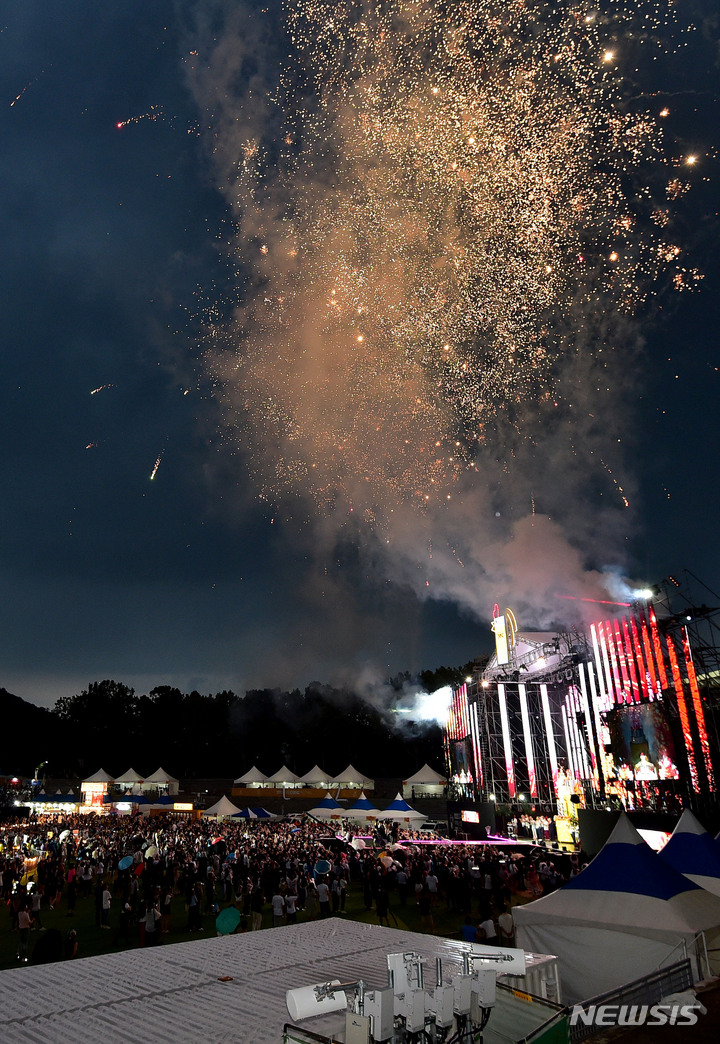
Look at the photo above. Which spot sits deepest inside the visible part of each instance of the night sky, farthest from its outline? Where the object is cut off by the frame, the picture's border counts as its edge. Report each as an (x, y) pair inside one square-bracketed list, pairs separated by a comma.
[(111, 255)]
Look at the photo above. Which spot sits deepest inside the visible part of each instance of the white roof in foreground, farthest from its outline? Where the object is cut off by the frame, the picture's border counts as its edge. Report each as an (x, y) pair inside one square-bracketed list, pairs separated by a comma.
[(173, 994)]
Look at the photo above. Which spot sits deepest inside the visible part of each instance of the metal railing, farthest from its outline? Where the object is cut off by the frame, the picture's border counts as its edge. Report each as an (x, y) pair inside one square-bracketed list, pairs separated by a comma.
[(650, 989)]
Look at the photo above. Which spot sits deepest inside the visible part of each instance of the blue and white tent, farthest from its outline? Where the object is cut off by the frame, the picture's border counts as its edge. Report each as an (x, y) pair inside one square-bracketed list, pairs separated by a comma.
[(363, 808), (252, 813), (623, 916), (400, 810), (328, 808), (694, 853)]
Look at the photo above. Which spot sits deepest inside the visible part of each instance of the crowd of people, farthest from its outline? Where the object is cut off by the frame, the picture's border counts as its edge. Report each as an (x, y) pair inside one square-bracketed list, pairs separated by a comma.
[(137, 870)]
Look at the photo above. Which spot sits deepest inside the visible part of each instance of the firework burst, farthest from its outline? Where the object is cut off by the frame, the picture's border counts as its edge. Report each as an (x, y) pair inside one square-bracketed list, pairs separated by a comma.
[(447, 219)]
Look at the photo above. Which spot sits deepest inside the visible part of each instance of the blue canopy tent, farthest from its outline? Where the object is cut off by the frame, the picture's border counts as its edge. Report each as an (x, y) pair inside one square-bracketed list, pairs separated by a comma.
[(622, 917), (328, 808), (692, 852), (363, 809), (400, 810)]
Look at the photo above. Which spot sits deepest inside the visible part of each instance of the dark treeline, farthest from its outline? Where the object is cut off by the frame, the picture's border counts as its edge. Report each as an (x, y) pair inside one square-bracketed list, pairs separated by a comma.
[(221, 735)]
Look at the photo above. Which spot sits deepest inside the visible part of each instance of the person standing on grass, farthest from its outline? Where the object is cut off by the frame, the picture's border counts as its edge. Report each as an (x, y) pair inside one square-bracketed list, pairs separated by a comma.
[(382, 906), (152, 923), (487, 932), (506, 924), (24, 925), (36, 900), (98, 903), (424, 902), (278, 909), (71, 896), (165, 901), (291, 908), (256, 905), (123, 930), (323, 894), (106, 903)]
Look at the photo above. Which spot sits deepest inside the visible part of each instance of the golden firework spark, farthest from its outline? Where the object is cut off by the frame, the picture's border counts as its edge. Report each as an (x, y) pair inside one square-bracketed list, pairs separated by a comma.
[(441, 225)]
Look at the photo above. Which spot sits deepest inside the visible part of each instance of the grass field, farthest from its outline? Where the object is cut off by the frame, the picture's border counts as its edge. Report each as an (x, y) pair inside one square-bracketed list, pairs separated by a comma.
[(93, 940)]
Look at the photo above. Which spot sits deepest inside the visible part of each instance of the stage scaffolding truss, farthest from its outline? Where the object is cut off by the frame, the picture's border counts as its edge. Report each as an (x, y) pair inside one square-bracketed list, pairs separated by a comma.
[(622, 713)]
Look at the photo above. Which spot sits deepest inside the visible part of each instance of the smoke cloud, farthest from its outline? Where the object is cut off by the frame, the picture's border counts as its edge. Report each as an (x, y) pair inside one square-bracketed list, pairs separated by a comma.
[(431, 355)]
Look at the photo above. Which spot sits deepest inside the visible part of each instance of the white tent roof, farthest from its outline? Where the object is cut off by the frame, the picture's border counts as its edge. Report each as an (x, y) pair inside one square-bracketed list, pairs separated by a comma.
[(131, 776), (101, 776), (351, 775), (253, 775), (316, 775), (161, 776), (223, 807), (620, 918), (283, 775), (425, 775)]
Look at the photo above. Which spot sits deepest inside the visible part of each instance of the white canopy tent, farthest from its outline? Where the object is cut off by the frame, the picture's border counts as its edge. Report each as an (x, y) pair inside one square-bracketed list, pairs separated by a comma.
[(351, 779), (284, 778), (622, 917), (426, 782), (101, 776), (163, 782), (223, 807), (94, 788), (317, 777), (253, 778), (128, 779)]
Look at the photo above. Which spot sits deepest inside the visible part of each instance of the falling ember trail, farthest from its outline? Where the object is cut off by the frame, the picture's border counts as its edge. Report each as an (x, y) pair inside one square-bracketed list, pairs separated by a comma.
[(154, 472), (26, 88), (154, 113)]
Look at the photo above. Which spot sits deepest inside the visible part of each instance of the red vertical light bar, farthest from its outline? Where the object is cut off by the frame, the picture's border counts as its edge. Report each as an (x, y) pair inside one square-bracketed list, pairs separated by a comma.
[(627, 689), (653, 684), (597, 707), (585, 703), (568, 743), (452, 717), (529, 757), (599, 666), (464, 718), (604, 673), (573, 706), (635, 679), (465, 710), (475, 733), (507, 744), (697, 706), (682, 709), (658, 648), (610, 646), (549, 736)]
